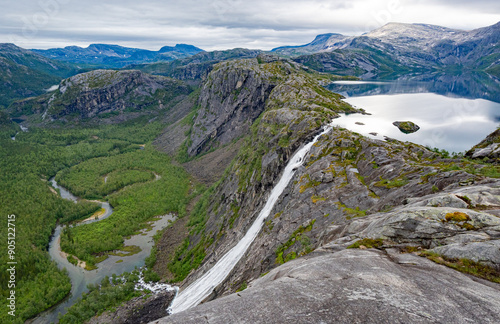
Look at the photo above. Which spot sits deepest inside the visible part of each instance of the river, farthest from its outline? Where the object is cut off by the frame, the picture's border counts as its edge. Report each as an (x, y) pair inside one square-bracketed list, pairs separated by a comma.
[(80, 278)]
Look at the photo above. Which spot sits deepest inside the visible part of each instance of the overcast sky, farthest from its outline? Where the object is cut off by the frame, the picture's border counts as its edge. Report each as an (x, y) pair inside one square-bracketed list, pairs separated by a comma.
[(221, 24)]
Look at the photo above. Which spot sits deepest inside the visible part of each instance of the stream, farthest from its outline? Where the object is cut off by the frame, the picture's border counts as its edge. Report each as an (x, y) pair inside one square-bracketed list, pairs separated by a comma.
[(203, 286), (80, 278)]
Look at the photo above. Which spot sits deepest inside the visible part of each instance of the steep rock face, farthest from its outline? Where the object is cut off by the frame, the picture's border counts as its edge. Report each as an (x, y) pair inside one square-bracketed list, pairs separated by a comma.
[(324, 210), (293, 106), (231, 99), (346, 176), (104, 91), (196, 68), (236, 93)]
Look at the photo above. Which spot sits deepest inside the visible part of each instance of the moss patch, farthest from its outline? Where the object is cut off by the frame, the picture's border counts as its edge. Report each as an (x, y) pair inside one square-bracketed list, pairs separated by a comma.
[(367, 243), (297, 236), (467, 266)]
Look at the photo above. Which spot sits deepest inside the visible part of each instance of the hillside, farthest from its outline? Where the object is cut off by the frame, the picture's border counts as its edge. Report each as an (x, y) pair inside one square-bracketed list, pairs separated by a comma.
[(103, 94), (397, 45), (397, 198), (25, 74), (196, 67)]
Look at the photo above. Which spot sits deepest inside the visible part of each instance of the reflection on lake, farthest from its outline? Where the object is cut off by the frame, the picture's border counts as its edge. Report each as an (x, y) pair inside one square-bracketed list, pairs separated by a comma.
[(447, 122), (465, 85)]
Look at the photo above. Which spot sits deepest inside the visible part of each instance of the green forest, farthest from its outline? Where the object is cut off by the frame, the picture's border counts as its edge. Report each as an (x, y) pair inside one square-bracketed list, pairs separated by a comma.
[(133, 205), (39, 154)]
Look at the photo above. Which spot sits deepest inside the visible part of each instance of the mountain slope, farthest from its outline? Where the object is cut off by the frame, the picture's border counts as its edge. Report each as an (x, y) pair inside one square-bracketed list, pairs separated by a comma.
[(24, 73), (415, 46), (114, 56), (103, 94), (196, 67)]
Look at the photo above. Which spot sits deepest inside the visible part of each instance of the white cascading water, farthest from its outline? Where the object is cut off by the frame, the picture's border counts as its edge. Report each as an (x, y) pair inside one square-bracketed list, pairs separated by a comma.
[(203, 286)]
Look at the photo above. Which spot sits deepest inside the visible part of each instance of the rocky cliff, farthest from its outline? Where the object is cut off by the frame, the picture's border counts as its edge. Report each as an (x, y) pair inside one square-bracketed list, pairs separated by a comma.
[(104, 93), (194, 69), (351, 191), (397, 199)]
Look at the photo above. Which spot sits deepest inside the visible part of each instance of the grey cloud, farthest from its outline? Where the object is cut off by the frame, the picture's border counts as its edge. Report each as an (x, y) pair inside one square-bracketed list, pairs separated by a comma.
[(213, 24)]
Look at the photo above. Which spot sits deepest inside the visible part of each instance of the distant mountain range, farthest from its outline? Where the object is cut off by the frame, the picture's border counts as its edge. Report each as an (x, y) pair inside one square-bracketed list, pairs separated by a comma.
[(398, 46), (394, 49), (115, 56), (24, 73)]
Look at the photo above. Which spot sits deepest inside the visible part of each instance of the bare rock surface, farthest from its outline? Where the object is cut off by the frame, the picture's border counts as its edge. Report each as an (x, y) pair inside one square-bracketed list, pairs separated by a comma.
[(355, 286)]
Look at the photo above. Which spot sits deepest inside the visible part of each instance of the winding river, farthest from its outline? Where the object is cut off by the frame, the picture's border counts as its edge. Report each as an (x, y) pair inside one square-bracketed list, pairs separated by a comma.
[(80, 278)]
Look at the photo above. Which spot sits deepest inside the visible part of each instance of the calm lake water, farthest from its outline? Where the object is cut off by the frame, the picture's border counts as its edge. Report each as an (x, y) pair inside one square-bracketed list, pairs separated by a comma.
[(449, 118)]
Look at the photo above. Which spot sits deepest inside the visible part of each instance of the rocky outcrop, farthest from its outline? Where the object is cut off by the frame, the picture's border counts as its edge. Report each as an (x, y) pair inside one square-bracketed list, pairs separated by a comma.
[(387, 285), (99, 92), (196, 68), (488, 148), (236, 93), (355, 286), (349, 188), (406, 127), (138, 310)]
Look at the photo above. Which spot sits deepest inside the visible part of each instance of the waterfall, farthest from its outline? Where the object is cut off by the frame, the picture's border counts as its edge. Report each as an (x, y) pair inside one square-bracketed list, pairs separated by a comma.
[(203, 286)]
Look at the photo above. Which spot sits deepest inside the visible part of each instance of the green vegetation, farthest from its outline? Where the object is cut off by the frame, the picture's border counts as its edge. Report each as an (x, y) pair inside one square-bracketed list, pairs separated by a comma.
[(109, 294), (351, 212), (86, 180), (25, 73), (242, 287), (27, 163), (367, 243), (297, 236), (467, 266), (406, 127), (395, 183), (459, 219), (308, 183), (133, 205)]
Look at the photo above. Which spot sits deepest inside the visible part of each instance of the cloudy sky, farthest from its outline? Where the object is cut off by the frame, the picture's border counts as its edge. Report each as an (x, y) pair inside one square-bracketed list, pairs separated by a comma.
[(221, 24)]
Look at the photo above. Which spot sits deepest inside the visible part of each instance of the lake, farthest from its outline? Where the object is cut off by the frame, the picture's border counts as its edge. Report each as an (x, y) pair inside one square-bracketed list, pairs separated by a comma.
[(449, 117)]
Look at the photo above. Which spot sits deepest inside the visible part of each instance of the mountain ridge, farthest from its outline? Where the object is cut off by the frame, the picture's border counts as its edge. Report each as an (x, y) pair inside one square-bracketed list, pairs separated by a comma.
[(116, 56), (24, 73), (410, 46)]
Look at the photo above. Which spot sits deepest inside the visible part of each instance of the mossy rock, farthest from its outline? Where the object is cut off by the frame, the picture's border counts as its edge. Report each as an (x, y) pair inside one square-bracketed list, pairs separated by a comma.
[(457, 217), (406, 127)]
